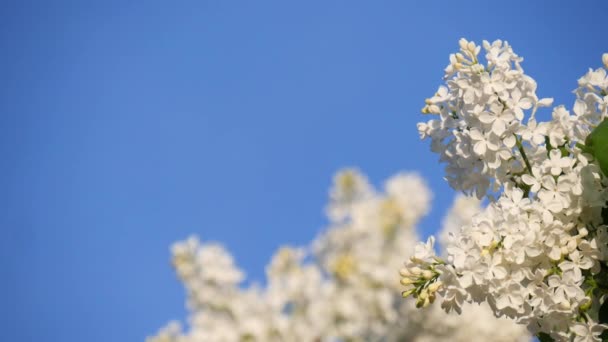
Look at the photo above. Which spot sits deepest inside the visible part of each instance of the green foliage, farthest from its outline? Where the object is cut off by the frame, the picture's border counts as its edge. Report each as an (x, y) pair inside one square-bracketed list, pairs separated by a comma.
[(603, 318), (544, 337), (597, 144)]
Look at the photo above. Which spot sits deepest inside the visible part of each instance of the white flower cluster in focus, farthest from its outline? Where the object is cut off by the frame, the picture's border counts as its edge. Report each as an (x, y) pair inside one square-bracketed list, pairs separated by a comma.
[(537, 252), (343, 287)]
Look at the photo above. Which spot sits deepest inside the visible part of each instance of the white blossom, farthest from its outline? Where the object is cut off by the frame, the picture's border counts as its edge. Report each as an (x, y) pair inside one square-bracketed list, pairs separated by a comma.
[(533, 252), (342, 287)]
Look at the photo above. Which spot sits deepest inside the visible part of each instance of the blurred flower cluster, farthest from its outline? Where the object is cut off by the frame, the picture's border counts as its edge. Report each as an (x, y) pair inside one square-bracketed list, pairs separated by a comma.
[(538, 252), (344, 286)]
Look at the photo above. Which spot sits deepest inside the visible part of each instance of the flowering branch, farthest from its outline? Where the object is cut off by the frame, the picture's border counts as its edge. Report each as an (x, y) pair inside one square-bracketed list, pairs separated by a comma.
[(539, 251)]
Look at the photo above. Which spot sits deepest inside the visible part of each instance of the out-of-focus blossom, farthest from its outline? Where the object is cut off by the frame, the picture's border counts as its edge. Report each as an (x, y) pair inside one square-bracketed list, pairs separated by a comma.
[(342, 287)]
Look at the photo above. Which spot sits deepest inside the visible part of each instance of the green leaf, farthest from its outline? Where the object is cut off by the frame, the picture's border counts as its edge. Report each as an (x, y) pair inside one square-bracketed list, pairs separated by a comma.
[(544, 337), (603, 318), (603, 314), (597, 143), (604, 336), (602, 277)]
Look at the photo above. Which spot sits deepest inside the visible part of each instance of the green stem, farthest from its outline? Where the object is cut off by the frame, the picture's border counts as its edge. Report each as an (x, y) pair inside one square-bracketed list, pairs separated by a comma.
[(520, 147)]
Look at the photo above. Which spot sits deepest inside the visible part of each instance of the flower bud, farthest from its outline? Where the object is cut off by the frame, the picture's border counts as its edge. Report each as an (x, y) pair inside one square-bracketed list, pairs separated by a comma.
[(404, 272), (434, 109), (427, 274), (422, 301), (435, 286), (407, 281), (423, 294), (582, 232), (426, 303), (463, 43), (471, 47), (605, 60), (407, 293)]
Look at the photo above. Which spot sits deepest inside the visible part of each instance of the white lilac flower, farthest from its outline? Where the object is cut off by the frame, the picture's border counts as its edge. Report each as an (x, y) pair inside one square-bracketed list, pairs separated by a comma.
[(533, 253), (587, 332)]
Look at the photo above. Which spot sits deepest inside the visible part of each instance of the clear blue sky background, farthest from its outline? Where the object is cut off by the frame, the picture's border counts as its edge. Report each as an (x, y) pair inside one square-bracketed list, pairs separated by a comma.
[(126, 126)]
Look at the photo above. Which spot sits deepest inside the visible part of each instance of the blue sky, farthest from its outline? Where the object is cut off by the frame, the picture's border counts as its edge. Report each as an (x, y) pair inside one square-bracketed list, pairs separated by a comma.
[(126, 126)]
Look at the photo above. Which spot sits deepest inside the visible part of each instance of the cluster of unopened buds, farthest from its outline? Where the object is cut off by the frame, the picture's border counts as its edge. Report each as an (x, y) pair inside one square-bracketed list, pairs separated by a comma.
[(422, 284)]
